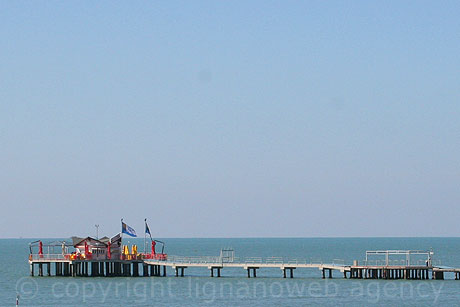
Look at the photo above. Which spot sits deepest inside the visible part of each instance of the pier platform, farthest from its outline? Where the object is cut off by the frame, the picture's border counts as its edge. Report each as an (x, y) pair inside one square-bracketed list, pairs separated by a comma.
[(141, 265)]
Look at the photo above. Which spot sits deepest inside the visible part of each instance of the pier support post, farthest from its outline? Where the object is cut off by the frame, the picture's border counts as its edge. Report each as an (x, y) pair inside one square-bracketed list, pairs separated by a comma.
[(32, 269), (40, 269), (323, 273), (93, 269), (217, 271), (438, 275), (177, 271), (136, 269), (284, 272), (48, 268), (181, 272), (66, 269), (330, 273), (249, 273), (145, 271), (116, 269), (164, 271), (345, 274)]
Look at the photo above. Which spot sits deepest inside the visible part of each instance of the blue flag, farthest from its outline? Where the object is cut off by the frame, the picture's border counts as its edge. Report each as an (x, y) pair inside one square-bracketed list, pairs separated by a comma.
[(147, 229), (128, 230)]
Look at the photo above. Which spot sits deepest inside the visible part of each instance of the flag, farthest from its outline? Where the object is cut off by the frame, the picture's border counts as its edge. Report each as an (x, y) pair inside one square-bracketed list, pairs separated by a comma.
[(147, 229), (128, 230)]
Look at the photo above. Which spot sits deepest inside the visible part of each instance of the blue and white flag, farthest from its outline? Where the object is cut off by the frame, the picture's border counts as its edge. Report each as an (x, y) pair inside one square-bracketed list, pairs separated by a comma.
[(128, 230), (147, 229)]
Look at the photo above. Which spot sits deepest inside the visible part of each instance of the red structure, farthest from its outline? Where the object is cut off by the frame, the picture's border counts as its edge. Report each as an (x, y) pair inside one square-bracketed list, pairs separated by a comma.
[(109, 253), (40, 249)]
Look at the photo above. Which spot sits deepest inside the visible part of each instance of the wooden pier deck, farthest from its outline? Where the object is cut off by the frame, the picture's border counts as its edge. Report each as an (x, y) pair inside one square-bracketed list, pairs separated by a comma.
[(251, 265), (150, 267), (63, 266)]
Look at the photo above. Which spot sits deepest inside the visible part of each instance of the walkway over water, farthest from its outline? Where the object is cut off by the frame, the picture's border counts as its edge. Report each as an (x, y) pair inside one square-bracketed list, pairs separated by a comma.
[(372, 269)]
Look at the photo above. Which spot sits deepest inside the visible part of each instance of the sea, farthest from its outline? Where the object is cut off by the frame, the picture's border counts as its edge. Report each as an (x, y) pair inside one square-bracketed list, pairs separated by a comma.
[(234, 288)]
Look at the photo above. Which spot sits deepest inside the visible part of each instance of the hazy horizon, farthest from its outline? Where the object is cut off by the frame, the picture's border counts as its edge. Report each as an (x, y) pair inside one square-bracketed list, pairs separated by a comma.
[(230, 119)]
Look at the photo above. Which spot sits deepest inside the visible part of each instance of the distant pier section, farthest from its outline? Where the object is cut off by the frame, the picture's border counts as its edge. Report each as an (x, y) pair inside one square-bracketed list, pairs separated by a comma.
[(109, 257)]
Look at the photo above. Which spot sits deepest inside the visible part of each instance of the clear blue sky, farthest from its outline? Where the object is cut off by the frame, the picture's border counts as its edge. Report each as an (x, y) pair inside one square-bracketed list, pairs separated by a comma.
[(230, 119)]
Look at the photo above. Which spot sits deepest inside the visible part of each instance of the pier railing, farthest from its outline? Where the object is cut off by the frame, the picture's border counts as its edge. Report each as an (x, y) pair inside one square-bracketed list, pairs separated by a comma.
[(399, 262), (48, 257), (250, 260)]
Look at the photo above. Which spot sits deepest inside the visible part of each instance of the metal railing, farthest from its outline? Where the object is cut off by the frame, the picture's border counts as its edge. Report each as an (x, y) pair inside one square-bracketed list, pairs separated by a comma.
[(210, 260), (399, 262), (250, 260), (48, 257)]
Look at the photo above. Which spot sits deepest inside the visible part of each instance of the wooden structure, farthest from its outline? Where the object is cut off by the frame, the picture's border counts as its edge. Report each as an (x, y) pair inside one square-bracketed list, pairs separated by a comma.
[(157, 264)]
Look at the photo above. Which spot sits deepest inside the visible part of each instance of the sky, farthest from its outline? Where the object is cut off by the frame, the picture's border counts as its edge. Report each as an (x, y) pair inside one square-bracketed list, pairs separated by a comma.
[(230, 118)]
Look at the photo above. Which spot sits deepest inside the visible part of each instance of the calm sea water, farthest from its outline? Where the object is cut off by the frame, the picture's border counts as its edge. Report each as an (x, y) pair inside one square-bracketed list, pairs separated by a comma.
[(234, 288)]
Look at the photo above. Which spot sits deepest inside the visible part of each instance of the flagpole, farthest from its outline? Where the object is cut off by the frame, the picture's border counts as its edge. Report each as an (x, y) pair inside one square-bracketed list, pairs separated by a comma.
[(121, 237), (145, 236)]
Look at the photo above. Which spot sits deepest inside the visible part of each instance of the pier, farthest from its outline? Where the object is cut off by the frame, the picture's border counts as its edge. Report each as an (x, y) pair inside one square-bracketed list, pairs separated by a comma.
[(157, 265)]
